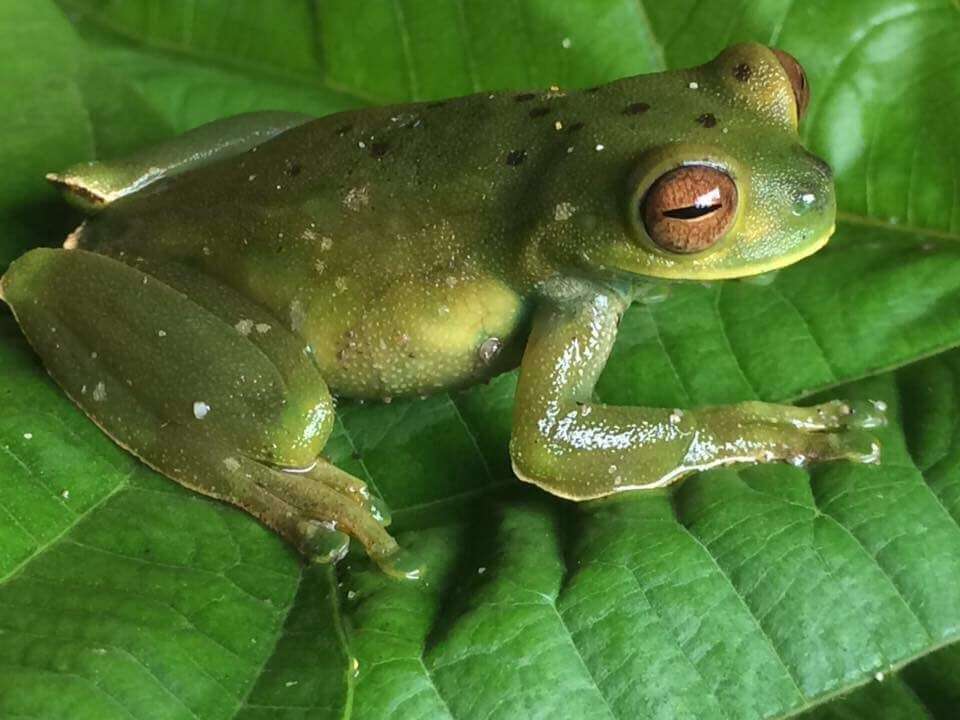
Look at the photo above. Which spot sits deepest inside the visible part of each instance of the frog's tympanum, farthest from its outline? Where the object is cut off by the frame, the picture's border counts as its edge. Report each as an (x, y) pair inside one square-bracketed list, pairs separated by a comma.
[(228, 284)]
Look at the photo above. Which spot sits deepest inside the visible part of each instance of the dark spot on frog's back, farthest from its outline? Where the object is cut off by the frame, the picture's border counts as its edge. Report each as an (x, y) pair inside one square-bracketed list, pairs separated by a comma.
[(708, 120), (294, 168), (539, 112), (379, 149), (524, 97), (637, 108), (742, 72), (436, 104), (575, 127), (344, 129), (515, 157)]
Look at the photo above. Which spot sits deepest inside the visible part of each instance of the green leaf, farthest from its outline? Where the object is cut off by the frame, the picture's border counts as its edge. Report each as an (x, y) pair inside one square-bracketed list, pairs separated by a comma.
[(743, 594)]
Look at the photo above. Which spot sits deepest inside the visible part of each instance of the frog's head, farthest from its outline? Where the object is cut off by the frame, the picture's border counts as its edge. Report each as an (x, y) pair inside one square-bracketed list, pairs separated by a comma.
[(719, 186)]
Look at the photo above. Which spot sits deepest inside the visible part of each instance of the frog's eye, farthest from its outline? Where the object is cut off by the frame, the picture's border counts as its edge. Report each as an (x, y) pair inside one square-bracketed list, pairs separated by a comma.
[(798, 80), (688, 209)]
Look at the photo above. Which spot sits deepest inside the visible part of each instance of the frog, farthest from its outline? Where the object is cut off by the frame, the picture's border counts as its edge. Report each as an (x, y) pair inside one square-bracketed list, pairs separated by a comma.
[(229, 286)]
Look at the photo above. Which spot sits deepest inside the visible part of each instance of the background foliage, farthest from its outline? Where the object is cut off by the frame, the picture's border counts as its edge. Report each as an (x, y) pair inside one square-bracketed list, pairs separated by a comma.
[(765, 592)]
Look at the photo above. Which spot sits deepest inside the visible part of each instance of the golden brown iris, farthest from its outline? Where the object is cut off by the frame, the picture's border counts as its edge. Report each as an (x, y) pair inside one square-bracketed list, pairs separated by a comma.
[(688, 209), (798, 80)]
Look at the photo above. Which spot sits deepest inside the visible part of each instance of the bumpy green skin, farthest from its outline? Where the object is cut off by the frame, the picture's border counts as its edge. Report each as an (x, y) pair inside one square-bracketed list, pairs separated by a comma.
[(203, 318)]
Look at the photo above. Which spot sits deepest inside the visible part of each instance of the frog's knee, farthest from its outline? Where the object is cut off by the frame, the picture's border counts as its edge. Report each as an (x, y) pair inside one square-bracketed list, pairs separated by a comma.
[(91, 186)]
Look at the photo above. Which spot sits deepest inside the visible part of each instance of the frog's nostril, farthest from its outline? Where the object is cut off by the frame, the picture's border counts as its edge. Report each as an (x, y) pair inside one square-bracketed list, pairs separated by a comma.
[(806, 200)]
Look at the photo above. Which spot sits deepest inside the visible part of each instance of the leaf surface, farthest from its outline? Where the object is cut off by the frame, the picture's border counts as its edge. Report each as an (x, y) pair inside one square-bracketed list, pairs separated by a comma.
[(765, 592)]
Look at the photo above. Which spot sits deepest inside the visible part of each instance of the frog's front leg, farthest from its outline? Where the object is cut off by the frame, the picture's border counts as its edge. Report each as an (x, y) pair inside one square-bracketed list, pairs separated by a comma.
[(580, 449), (201, 384)]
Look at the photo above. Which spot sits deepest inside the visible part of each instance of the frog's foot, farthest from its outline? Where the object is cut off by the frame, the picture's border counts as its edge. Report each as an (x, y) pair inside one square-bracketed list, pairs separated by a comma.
[(317, 512), (828, 416), (318, 507), (766, 432)]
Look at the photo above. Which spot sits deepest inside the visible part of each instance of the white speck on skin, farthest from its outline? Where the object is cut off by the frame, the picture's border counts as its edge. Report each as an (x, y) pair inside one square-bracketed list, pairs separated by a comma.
[(599, 147), (200, 409), (28, 436), (298, 316), (676, 416), (162, 333), (244, 326), (341, 283), (481, 570), (351, 595), (320, 266), (357, 198), (231, 464), (308, 235), (65, 494), (566, 43), (879, 676), (570, 149), (558, 125), (326, 243), (291, 683), (93, 356), (564, 211), (251, 178), (693, 85), (207, 251), (262, 328), (361, 144), (100, 392)]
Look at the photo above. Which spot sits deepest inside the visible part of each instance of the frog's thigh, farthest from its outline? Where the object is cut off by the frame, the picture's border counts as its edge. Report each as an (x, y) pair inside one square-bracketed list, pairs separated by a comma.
[(93, 185), (212, 404)]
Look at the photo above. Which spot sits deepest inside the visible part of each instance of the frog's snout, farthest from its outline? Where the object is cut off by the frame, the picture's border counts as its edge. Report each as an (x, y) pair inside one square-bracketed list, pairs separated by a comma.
[(813, 192)]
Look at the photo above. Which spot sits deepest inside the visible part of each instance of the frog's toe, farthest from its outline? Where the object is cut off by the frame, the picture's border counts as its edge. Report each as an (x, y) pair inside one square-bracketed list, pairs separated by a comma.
[(853, 445), (379, 509), (401, 564), (322, 542), (866, 414), (831, 415)]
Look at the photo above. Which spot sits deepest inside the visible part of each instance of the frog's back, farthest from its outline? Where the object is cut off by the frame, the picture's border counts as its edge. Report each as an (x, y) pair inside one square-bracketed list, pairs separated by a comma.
[(397, 240)]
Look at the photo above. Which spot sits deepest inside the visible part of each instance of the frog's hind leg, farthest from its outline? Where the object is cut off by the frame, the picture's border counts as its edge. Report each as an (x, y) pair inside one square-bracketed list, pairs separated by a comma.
[(201, 384), (92, 186)]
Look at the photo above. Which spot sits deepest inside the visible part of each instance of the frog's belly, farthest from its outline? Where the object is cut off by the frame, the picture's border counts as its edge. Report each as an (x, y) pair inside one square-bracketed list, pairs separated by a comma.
[(416, 338)]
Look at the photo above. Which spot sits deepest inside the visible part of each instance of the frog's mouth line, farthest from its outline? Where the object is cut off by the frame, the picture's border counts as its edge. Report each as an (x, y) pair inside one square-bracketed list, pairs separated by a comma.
[(780, 262)]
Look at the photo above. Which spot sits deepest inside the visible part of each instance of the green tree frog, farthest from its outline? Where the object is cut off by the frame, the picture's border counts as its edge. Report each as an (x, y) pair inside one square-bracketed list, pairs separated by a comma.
[(228, 284)]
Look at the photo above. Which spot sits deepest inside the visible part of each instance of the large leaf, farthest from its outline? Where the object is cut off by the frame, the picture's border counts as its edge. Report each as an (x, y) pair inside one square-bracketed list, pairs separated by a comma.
[(743, 594)]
